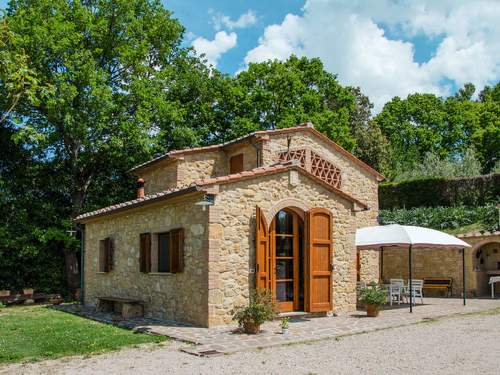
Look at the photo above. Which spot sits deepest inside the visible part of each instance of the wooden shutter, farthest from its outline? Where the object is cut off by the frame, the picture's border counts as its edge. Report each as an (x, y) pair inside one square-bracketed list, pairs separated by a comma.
[(145, 252), (110, 254), (318, 260), (106, 254), (261, 251), (102, 255), (236, 164), (177, 250)]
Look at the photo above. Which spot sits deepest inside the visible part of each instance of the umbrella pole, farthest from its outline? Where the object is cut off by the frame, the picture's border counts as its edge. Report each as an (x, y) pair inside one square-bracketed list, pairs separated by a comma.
[(381, 265), (410, 279), (463, 274)]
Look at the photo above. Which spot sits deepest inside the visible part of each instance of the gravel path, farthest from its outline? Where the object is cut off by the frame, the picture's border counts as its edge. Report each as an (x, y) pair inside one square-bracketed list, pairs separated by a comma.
[(459, 345)]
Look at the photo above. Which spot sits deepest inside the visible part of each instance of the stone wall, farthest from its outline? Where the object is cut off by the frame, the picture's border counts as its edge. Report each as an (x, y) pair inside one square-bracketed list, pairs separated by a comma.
[(439, 262), (233, 252), (355, 181), (182, 296), (370, 270), (159, 177), (436, 262), (249, 155), (201, 165)]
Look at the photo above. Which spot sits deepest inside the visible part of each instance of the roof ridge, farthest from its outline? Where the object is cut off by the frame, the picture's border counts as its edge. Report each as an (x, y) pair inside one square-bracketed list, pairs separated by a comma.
[(219, 145)]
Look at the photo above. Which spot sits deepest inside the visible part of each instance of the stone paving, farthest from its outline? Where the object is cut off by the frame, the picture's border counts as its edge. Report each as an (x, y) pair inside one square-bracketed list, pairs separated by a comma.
[(228, 339)]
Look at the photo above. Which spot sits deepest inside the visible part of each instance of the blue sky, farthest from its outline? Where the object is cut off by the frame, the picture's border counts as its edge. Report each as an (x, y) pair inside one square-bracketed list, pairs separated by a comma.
[(387, 47)]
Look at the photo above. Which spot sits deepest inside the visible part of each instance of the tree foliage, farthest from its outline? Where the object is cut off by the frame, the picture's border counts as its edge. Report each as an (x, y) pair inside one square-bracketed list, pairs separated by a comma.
[(113, 69), (425, 123)]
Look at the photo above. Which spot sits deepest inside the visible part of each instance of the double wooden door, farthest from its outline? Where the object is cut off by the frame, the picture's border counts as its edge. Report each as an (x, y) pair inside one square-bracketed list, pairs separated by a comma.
[(293, 259)]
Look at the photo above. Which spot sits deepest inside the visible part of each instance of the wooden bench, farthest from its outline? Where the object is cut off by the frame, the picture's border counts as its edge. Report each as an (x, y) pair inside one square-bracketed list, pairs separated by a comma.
[(126, 307), (439, 283), (21, 298)]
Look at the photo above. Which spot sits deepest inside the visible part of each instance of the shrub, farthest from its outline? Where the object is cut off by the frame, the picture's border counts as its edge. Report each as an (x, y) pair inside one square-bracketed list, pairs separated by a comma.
[(434, 192), (260, 309), (443, 217), (433, 166), (373, 295)]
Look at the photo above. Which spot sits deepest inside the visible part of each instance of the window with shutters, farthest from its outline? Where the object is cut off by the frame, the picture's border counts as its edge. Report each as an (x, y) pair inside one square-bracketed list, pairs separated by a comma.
[(236, 164), (106, 254), (162, 252)]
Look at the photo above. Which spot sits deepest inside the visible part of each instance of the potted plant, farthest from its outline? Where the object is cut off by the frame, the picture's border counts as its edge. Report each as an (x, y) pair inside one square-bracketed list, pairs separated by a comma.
[(261, 308), (284, 325), (28, 291), (373, 297)]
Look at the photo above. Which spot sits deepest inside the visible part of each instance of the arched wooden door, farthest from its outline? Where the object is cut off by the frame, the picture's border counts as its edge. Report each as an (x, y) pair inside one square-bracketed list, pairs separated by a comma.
[(300, 277)]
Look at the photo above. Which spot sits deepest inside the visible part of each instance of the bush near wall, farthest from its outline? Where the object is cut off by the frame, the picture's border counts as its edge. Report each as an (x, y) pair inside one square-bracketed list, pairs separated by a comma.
[(443, 217), (434, 192)]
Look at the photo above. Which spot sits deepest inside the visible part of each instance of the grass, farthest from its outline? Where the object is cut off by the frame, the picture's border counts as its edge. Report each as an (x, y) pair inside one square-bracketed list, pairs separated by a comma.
[(37, 332)]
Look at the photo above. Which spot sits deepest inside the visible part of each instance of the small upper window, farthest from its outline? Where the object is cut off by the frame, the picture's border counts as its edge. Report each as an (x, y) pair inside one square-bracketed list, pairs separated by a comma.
[(236, 164)]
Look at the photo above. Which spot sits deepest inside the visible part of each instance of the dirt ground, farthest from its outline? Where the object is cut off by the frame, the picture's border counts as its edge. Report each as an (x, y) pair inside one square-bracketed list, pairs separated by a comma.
[(458, 345)]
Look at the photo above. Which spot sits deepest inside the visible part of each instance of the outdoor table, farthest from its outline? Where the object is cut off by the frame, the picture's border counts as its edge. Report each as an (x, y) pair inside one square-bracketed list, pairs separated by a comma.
[(493, 280)]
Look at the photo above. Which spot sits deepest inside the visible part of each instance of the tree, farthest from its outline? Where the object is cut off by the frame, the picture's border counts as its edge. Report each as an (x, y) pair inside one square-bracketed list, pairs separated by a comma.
[(17, 79), (110, 65), (414, 126), (278, 94), (371, 145), (486, 137), (446, 128)]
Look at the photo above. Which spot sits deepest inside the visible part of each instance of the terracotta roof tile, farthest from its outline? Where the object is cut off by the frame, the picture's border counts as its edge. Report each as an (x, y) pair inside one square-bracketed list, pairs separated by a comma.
[(300, 127), (199, 184), (133, 203)]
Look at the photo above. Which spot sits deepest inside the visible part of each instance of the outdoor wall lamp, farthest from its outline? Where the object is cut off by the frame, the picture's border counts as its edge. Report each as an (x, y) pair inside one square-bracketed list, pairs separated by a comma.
[(206, 200)]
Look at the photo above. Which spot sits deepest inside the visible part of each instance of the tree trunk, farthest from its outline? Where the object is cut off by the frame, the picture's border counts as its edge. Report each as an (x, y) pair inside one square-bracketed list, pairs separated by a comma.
[(70, 255), (72, 269)]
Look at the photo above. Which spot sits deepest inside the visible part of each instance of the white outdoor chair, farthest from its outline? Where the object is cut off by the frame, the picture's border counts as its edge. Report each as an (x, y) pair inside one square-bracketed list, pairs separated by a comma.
[(396, 290), (417, 286)]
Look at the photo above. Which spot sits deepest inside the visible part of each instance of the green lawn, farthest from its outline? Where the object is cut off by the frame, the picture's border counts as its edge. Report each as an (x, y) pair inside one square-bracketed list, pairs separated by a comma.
[(38, 332)]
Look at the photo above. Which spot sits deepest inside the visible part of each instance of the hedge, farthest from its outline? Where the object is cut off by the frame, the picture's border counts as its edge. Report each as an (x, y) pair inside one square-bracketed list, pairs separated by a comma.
[(435, 192), (443, 217)]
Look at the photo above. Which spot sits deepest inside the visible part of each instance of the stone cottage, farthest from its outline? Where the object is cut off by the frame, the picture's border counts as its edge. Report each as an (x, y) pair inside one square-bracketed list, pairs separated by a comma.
[(275, 209)]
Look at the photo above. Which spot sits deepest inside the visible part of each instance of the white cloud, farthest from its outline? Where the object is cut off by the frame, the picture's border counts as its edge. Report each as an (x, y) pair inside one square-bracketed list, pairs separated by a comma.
[(347, 36), (247, 19), (214, 49)]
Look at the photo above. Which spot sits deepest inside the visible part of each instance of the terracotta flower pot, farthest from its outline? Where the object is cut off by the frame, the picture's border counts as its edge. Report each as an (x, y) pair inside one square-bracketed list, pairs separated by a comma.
[(372, 310), (4, 293), (251, 328)]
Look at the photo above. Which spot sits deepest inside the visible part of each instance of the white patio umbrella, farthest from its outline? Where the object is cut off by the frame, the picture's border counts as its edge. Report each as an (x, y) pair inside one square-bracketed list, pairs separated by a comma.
[(403, 236)]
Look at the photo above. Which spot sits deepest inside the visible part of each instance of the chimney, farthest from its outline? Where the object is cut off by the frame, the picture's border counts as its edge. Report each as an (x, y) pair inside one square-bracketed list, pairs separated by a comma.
[(140, 188)]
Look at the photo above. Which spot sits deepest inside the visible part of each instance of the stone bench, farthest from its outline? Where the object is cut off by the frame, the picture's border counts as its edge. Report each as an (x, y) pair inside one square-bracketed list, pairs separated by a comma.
[(126, 307)]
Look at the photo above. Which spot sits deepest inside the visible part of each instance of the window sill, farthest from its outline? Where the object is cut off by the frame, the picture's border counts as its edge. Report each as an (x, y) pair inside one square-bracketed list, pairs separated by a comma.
[(161, 273)]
